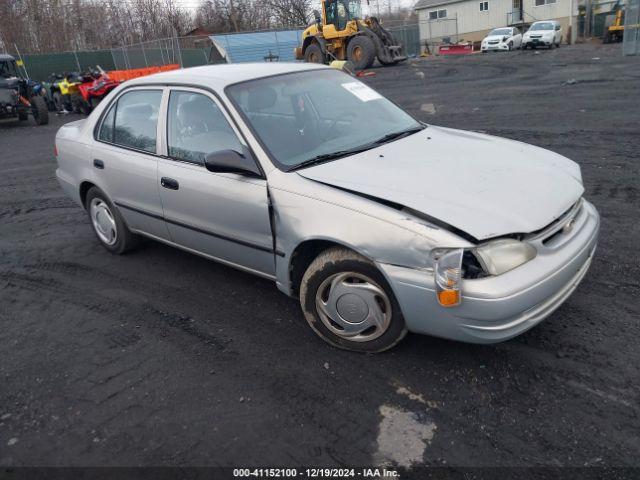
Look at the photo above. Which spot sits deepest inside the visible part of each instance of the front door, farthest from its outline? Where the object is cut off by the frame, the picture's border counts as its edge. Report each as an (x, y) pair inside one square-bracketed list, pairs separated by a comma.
[(223, 215)]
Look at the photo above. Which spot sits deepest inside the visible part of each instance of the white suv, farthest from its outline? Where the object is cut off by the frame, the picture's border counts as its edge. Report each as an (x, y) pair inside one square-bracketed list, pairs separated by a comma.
[(543, 34)]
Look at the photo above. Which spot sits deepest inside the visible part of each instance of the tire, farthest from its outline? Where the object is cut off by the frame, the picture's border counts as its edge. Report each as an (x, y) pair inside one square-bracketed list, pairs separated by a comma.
[(313, 54), (510, 46), (57, 101), (354, 276), (94, 102), (107, 223), (85, 107), (361, 52), (23, 116), (39, 110)]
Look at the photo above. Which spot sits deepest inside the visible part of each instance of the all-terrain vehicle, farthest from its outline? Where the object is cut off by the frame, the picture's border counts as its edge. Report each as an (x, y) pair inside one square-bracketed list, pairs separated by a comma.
[(341, 33), (20, 96), (92, 92)]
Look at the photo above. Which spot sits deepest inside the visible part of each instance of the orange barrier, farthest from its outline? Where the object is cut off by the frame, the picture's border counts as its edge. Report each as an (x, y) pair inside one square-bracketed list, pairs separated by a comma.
[(124, 75)]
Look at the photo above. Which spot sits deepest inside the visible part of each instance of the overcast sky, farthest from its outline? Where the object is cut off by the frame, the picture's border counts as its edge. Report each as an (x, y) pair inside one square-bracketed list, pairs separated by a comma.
[(193, 4)]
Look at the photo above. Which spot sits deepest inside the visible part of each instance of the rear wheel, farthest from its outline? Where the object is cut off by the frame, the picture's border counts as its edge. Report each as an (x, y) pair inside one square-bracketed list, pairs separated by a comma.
[(313, 54), (57, 101), (39, 110), (361, 52), (108, 224), (23, 116), (94, 102), (349, 304)]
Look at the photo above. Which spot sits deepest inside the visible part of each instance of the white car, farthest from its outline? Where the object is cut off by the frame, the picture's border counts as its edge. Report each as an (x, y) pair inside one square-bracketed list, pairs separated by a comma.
[(543, 34), (506, 38), (377, 223)]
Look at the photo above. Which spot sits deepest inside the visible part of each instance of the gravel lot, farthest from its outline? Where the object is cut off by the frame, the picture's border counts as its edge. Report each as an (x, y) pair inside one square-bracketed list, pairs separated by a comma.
[(162, 358)]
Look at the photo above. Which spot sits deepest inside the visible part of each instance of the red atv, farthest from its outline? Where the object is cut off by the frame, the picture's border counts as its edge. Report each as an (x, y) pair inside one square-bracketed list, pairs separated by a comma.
[(93, 92)]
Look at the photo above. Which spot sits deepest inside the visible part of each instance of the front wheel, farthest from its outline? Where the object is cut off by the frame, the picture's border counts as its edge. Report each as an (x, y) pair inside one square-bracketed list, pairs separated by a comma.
[(361, 52), (349, 304), (510, 46), (313, 54), (108, 224)]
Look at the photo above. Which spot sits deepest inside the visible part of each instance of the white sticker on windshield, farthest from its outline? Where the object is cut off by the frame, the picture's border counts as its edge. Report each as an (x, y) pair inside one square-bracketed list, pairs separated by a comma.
[(361, 91)]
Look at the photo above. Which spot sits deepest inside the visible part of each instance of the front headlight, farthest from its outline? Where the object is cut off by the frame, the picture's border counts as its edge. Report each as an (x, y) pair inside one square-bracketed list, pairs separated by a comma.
[(447, 271), (500, 256)]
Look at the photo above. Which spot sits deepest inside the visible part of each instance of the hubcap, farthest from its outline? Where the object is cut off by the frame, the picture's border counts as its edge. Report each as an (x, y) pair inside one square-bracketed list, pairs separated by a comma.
[(103, 222), (357, 54), (353, 306)]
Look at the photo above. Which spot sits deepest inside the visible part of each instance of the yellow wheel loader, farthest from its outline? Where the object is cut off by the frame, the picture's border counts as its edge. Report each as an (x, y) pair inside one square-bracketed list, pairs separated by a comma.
[(340, 33)]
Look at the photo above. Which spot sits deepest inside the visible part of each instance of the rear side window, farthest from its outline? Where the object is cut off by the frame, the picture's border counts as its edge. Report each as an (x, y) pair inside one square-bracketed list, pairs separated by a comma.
[(106, 131), (132, 122)]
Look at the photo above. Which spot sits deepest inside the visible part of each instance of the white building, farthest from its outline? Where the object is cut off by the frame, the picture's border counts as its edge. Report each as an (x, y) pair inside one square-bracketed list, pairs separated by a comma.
[(471, 20)]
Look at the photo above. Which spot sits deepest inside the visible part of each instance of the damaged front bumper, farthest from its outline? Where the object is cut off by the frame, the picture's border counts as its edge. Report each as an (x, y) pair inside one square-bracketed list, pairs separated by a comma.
[(498, 308)]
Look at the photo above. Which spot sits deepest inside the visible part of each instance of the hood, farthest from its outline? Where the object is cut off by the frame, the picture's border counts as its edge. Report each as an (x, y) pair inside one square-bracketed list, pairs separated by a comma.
[(485, 186)]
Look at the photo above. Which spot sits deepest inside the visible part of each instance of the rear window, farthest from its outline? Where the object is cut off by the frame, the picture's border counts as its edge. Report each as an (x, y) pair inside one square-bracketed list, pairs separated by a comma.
[(133, 120)]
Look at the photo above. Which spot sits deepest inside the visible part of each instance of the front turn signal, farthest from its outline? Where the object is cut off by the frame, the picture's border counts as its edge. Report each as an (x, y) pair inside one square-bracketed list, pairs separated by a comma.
[(448, 277)]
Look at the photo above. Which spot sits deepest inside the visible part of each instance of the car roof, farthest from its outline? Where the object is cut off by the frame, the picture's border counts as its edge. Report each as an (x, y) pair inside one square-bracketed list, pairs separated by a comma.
[(219, 76), (4, 57), (545, 21)]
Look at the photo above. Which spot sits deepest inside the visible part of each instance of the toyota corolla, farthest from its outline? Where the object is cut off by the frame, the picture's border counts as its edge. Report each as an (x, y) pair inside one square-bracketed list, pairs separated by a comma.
[(378, 223)]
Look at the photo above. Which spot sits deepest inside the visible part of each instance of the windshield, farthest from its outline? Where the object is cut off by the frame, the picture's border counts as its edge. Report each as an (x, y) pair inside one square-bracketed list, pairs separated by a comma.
[(542, 26), (8, 69), (319, 113), (500, 31)]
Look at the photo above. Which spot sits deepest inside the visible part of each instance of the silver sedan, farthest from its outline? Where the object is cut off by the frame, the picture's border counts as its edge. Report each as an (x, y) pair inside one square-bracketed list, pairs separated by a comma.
[(302, 174)]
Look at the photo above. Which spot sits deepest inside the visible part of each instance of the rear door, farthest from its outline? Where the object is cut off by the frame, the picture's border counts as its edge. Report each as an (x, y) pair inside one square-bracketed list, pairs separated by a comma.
[(126, 162), (223, 215)]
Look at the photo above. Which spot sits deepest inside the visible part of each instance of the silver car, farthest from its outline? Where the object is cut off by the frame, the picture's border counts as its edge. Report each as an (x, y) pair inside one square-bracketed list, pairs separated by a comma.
[(302, 174)]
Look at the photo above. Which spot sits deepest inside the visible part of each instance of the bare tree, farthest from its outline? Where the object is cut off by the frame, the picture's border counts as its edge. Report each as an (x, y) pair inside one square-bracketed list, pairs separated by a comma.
[(290, 13)]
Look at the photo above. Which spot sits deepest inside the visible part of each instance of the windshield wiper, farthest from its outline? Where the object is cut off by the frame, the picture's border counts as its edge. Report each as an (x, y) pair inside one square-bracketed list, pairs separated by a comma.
[(397, 135), (326, 157)]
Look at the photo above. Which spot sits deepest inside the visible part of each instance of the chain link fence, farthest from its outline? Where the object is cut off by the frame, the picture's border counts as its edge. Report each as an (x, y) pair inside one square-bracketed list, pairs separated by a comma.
[(631, 39), (192, 51)]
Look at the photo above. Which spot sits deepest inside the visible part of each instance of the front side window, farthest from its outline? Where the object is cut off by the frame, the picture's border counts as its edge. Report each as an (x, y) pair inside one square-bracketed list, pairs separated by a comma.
[(133, 120), (8, 69), (197, 127), (317, 115)]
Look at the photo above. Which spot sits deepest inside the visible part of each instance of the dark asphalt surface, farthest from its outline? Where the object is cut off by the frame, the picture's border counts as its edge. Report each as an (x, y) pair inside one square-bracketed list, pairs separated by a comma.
[(160, 357)]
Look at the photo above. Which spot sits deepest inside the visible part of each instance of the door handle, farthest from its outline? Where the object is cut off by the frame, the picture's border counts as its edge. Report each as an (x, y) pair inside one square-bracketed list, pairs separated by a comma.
[(98, 164), (169, 183)]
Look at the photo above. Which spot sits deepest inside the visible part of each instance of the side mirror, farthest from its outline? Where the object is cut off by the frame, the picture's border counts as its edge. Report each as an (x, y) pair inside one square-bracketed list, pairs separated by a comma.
[(230, 161), (317, 17)]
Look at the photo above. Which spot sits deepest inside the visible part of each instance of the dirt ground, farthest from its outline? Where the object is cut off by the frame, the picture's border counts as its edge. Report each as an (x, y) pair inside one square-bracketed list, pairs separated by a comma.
[(162, 358)]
